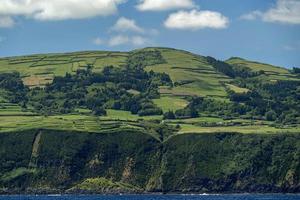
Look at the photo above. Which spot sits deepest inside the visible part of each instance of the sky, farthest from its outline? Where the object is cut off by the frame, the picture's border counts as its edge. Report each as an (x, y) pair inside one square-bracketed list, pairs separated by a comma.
[(261, 30)]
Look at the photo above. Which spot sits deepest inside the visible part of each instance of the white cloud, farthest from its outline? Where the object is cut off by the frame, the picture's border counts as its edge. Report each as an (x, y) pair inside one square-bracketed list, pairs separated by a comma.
[(160, 5), (98, 41), (59, 9), (118, 40), (194, 20), (139, 41), (252, 15), (123, 25), (128, 40), (153, 32), (285, 11), (6, 22)]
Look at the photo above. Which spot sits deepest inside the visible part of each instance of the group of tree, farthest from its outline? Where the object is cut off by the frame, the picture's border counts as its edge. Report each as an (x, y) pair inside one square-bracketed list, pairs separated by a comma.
[(132, 88), (95, 91), (232, 71), (267, 101), (277, 101), (99, 91), (13, 88), (296, 70)]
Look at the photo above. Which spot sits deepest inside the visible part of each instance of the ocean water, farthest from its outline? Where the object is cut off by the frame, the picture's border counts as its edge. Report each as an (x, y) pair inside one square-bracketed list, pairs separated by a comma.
[(154, 197)]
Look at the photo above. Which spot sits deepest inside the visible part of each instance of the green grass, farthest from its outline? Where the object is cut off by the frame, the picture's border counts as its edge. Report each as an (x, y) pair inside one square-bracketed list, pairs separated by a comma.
[(258, 129), (10, 109), (77, 122), (183, 66), (272, 72), (39, 69), (167, 103), (119, 114), (126, 115), (116, 61), (197, 120), (191, 73), (124, 120), (236, 89)]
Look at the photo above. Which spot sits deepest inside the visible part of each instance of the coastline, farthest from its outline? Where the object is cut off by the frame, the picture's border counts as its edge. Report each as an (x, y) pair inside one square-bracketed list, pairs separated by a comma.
[(236, 193)]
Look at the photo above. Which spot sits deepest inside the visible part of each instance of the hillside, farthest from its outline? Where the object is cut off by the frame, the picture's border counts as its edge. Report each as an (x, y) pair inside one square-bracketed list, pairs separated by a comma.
[(150, 120)]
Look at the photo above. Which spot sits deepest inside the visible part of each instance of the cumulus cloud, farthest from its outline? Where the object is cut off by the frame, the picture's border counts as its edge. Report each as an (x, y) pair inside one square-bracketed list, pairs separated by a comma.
[(194, 20), (118, 40), (252, 15), (6, 22), (139, 41), (285, 11), (59, 9), (124, 25), (136, 40), (161, 5)]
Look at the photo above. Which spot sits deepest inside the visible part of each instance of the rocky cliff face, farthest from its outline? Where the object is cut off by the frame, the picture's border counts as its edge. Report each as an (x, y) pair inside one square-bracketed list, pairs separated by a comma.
[(132, 161)]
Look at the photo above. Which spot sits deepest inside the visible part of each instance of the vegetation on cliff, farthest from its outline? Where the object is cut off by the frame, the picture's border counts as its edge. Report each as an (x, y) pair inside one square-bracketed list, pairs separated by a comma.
[(150, 120)]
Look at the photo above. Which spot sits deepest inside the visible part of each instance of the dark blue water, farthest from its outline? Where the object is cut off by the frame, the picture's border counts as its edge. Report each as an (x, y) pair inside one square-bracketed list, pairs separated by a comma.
[(157, 197)]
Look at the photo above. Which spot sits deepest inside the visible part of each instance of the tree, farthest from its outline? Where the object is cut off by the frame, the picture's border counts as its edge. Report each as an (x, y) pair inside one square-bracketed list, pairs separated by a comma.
[(296, 70), (169, 115), (99, 111), (194, 113), (271, 115)]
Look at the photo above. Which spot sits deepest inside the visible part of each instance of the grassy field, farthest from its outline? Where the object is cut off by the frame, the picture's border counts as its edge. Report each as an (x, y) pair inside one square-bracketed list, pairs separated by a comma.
[(272, 72), (8, 109), (167, 103), (37, 70), (122, 119), (236, 89), (254, 129), (61, 122), (191, 74), (126, 115)]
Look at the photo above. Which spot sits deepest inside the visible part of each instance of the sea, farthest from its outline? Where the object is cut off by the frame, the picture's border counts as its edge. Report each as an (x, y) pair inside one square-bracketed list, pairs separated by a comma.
[(155, 197)]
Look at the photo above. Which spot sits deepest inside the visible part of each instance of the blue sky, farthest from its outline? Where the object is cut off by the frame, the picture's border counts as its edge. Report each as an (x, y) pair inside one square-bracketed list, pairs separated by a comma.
[(261, 30)]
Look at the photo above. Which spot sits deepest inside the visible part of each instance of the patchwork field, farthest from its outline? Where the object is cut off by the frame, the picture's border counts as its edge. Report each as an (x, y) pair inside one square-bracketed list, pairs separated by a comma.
[(191, 74), (38, 70), (118, 120), (272, 72), (156, 120)]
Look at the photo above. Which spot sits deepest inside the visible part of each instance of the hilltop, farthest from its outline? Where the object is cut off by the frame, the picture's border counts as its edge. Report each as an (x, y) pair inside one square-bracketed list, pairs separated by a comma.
[(149, 120), (191, 76)]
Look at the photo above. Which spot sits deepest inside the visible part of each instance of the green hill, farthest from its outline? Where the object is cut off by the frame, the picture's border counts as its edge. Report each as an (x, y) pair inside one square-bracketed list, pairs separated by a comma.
[(153, 119), (272, 72)]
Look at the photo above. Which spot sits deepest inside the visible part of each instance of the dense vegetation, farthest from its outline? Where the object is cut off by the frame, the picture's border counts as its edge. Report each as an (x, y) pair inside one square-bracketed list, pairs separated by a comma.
[(132, 161), (12, 88), (272, 101), (296, 70), (155, 119), (129, 88), (98, 91), (231, 70)]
